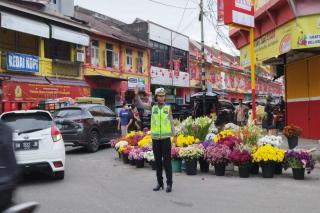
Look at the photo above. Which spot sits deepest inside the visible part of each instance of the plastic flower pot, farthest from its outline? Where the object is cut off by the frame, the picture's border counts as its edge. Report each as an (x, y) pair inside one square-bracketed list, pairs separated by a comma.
[(204, 165), (191, 167), (219, 169), (176, 165), (254, 168), (125, 159), (132, 162), (267, 169), (244, 171), (298, 173), (140, 163), (278, 168), (292, 142)]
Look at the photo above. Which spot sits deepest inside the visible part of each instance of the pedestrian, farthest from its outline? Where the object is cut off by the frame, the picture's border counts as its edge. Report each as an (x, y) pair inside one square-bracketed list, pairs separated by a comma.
[(8, 166), (125, 120), (240, 113), (269, 116), (162, 129), (136, 118)]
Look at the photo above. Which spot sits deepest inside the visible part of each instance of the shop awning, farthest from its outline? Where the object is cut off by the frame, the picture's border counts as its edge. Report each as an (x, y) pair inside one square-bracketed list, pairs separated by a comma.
[(68, 82), (68, 35), (26, 78), (25, 25)]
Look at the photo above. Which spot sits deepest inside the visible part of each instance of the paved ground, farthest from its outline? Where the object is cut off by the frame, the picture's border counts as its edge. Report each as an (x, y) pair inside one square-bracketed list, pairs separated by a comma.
[(99, 183)]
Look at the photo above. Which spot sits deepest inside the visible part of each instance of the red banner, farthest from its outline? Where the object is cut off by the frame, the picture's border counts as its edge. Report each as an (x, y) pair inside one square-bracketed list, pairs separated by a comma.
[(16, 91)]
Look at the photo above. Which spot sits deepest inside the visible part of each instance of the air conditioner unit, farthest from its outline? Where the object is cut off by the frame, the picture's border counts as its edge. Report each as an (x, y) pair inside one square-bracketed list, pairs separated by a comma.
[(80, 57)]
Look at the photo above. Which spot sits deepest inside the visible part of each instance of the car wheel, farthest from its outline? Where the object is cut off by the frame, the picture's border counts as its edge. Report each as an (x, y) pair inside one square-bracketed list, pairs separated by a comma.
[(93, 145), (58, 175)]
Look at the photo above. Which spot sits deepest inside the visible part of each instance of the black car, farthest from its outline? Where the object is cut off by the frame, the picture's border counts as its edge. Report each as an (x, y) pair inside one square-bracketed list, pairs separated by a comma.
[(88, 125), (223, 108)]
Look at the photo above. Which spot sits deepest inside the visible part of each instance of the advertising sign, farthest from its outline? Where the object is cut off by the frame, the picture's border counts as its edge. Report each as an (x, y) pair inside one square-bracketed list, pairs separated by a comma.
[(240, 12), (134, 82), (22, 62)]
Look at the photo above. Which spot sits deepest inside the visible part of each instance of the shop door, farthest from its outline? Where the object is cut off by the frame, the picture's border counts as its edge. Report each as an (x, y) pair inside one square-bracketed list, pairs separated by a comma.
[(109, 96), (314, 93)]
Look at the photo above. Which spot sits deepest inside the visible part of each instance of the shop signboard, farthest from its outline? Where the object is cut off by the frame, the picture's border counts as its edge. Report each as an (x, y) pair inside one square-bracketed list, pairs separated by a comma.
[(22, 62), (134, 82), (239, 12)]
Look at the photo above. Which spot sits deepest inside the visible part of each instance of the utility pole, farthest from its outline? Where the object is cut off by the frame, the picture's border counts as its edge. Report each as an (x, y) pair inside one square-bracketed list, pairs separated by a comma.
[(203, 72)]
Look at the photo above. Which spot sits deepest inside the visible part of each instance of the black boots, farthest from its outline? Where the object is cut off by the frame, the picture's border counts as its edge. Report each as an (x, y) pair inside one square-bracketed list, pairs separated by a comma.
[(158, 187), (169, 188)]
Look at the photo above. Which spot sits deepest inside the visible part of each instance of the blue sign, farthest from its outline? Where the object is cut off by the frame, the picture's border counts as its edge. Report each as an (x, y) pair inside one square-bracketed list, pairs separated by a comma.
[(22, 62)]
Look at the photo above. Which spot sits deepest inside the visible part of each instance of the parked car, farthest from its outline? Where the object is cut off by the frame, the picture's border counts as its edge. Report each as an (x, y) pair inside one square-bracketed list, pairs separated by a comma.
[(38, 143), (224, 108), (88, 125)]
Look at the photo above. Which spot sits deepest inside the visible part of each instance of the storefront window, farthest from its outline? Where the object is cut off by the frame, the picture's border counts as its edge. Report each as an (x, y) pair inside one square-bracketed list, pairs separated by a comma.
[(94, 52), (181, 55), (128, 59), (109, 55), (159, 55), (56, 49), (140, 62)]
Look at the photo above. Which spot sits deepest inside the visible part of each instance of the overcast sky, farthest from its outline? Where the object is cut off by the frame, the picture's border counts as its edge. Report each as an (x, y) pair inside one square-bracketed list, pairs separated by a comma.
[(168, 16)]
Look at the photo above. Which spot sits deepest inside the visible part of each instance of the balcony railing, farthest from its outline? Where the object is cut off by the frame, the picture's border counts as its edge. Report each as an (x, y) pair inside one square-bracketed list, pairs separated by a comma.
[(66, 68)]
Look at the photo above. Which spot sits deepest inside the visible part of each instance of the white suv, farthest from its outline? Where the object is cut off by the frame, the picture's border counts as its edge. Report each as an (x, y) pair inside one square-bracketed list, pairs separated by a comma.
[(38, 143)]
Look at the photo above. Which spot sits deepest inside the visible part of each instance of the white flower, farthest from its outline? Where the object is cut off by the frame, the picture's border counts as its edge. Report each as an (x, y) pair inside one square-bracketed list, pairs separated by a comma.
[(232, 127), (273, 140), (210, 137), (213, 128), (149, 156), (120, 144)]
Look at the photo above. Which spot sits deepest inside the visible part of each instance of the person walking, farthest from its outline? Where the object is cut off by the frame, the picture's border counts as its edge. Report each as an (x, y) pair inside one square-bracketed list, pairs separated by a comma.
[(240, 113), (136, 124), (125, 120), (162, 129)]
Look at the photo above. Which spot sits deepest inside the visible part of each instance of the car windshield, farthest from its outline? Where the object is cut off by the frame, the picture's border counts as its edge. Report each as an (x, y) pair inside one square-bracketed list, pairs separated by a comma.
[(26, 122), (67, 113)]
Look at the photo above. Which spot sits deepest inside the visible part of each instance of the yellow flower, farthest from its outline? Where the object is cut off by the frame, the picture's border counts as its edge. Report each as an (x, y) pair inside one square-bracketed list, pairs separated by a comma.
[(146, 141)]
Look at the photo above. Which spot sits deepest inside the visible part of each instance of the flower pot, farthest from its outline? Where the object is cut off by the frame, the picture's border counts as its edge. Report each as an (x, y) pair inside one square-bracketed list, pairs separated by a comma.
[(176, 165), (132, 162), (278, 168), (244, 171), (254, 168), (204, 165), (298, 173), (219, 169), (191, 167), (293, 142), (153, 165), (139, 163), (267, 169), (125, 159)]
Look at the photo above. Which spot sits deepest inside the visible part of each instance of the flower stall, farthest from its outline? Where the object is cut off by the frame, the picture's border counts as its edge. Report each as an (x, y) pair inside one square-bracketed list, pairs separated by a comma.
[(199, 140)]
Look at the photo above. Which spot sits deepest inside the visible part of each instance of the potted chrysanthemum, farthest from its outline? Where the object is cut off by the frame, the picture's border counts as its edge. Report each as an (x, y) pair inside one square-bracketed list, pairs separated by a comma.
[(175, 159), (299, 161), (292, 133), (190, 155), (149, 156), (218, 155), (242, 159), (267, 156)]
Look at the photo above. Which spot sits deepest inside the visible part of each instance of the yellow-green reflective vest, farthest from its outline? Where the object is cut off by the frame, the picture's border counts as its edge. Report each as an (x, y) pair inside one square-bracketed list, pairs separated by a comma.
[(160, 122)]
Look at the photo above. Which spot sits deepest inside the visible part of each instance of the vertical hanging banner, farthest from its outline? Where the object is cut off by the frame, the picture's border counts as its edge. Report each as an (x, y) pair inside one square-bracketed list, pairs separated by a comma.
[(239, 12), (220, 10)]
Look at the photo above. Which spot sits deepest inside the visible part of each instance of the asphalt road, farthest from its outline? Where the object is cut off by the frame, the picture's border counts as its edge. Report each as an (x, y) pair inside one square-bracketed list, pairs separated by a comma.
[(100, 183)]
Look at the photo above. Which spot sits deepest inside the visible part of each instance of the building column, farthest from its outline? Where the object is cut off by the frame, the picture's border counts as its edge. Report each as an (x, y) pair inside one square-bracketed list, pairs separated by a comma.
[(41, 47)]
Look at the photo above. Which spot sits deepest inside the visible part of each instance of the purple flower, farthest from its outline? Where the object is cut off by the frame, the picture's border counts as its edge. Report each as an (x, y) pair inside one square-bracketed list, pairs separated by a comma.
[(299, 159)]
